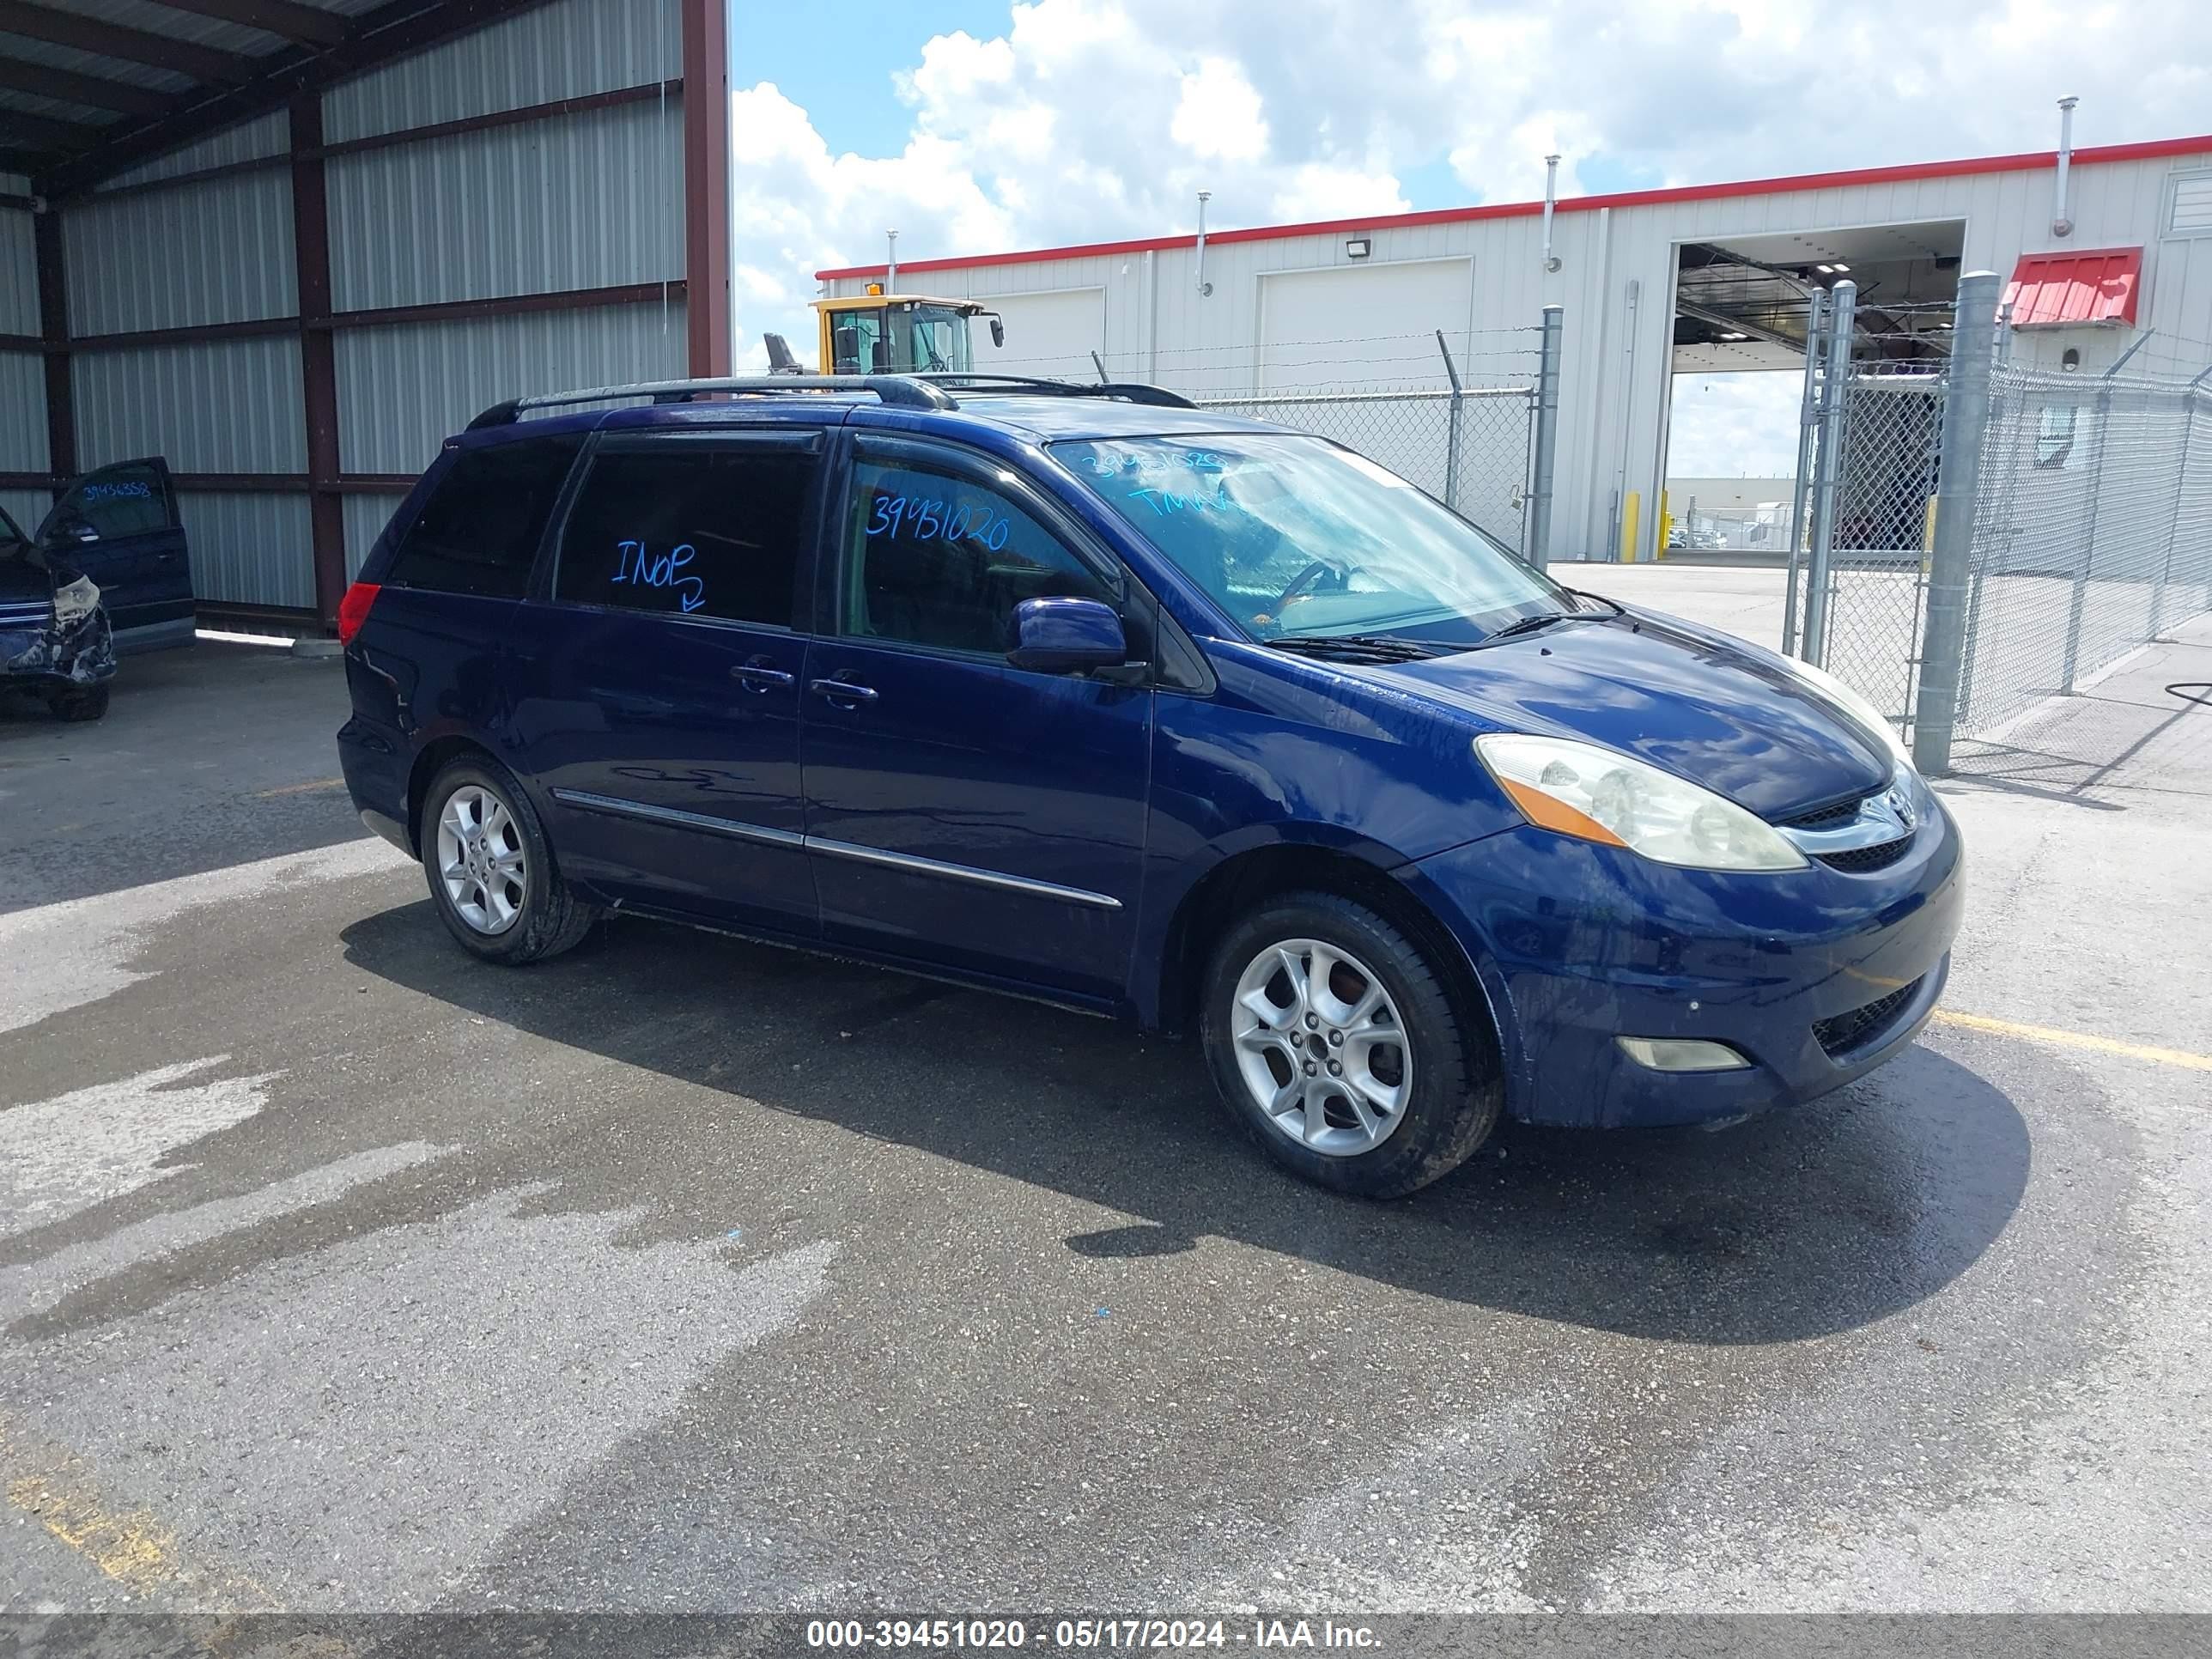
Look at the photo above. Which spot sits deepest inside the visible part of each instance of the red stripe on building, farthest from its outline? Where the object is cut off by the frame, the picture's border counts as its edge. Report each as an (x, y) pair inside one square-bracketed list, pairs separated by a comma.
[(1903, 174)]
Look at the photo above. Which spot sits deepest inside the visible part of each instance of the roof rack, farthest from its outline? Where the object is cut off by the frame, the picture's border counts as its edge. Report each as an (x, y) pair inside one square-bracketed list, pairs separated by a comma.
[(899, 390), (1127, 390)]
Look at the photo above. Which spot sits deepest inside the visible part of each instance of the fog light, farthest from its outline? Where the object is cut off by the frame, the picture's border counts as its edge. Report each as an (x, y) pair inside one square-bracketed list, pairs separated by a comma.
[(1680, 1055)]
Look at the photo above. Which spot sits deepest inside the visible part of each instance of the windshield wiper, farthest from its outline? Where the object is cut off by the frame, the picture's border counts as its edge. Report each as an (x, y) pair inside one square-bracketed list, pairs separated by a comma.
[(1529, 625), (1361, 648)]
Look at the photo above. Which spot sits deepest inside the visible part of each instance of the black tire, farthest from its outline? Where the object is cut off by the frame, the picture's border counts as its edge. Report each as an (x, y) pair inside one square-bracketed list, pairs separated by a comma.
[(551, 919), (1456, 1092), (89, 705)]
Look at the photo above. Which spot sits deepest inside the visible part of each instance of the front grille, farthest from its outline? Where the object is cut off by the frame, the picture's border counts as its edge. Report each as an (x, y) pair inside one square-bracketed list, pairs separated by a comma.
[(1860, 859), (1827, 818), (1863, 1027)]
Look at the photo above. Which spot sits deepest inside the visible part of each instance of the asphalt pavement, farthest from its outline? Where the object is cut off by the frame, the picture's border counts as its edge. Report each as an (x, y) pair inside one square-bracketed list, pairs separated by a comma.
[(341, 1273)]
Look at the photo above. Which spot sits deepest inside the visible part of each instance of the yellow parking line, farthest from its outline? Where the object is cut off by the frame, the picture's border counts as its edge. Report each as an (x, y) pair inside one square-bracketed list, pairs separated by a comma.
[(2180, 1057), (300, 788), (55, 1487)]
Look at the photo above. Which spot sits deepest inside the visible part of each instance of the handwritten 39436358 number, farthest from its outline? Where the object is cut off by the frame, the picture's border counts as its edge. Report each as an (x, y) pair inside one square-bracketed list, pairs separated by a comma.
[(927, 519), (636, 563)]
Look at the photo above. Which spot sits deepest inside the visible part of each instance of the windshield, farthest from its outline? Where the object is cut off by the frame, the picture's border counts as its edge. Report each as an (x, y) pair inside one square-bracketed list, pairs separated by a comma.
[(938, 342), (1297, 538)]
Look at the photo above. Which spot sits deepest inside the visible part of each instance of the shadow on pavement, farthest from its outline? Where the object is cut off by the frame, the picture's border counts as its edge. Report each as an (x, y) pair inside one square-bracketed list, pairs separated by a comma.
[(1794, 1226)]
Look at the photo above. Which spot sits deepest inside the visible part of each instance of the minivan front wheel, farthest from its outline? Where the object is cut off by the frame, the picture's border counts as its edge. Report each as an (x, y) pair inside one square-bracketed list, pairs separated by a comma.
[(1332, 1039), (491, 874)]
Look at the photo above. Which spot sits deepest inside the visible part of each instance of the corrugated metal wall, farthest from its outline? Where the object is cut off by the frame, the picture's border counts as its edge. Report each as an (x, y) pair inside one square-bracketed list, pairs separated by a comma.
[(366, 516), (403, 390), (592, 201), (1613, 408), (250, 547), (561, 51), (19, 264), (210, 406), (26, 507), (219, 251), (22, 412), (250, 142)]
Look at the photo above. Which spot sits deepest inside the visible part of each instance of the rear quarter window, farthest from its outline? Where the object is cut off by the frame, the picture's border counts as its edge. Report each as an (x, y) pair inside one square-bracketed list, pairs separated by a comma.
[(478, 533)]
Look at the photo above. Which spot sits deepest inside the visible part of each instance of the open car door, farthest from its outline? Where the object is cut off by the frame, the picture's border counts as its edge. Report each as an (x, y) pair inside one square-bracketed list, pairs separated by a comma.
[(119, 527)]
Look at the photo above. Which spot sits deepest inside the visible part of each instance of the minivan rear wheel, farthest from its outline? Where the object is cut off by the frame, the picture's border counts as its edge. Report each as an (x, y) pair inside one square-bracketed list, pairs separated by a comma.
[(1332, 1039), (491, 871)]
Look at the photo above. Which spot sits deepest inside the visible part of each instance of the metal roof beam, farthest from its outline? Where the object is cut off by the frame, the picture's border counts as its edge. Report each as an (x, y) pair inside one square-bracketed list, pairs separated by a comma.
[(392, 31), (307, 25), (1739, 324), (43, 132), (90, 90), (67, 28)]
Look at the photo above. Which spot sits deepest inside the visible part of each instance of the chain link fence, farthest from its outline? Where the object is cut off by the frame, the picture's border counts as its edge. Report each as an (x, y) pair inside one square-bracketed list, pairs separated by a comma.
[(1976, 540), (2093, 533), (1472, 420), (1471, 449)]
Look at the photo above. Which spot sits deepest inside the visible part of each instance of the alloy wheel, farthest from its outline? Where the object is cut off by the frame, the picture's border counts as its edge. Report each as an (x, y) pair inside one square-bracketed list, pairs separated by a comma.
[(481, 860), (1321, 1046)]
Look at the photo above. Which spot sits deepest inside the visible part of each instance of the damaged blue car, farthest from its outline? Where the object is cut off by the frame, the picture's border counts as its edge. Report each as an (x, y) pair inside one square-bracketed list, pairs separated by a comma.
[(56, 641)]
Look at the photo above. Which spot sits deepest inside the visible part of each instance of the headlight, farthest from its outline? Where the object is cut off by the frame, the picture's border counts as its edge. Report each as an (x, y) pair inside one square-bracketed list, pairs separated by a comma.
[(1858, 706), (1597, 794), (75, 601)]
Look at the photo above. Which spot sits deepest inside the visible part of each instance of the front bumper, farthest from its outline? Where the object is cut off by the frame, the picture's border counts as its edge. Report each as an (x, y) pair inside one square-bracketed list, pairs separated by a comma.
[(47, 657), (1577, 944)]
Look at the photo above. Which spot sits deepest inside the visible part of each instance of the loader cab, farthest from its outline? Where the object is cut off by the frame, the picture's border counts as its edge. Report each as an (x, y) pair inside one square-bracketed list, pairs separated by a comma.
[(878, 333)]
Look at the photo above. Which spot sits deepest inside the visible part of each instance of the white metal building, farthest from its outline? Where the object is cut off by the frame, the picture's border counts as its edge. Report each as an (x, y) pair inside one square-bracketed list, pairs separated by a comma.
[(1704, 278)]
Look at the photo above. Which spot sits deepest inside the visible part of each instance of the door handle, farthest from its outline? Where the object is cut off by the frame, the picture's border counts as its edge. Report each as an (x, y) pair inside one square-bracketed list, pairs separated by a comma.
[(760, 676), (843, 690)]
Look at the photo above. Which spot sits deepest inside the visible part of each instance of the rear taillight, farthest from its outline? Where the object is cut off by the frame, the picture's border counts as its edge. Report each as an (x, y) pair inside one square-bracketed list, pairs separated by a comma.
[(353, 610)]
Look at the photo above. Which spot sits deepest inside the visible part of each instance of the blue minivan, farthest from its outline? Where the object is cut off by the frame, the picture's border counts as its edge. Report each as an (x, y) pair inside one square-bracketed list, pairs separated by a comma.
[(1086, 695)]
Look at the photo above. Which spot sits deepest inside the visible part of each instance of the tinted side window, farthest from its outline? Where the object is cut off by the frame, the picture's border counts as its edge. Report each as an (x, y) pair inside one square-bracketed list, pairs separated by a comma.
[(121, 500), (479, 531), (933, 559), (685, 528)]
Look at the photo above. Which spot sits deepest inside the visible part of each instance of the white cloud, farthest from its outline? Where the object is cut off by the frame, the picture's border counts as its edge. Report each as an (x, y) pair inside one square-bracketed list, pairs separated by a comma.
[(1218, 113), (1735, 426), (1088, 120)]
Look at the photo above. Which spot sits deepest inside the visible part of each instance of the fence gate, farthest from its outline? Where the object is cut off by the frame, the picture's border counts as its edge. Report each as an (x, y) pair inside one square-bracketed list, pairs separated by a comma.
[(1863, 522), (2069, 523)]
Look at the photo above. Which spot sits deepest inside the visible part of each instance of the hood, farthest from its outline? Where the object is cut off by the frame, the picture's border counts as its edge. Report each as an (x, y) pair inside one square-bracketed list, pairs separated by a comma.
[(24, 580), (1703, 706)]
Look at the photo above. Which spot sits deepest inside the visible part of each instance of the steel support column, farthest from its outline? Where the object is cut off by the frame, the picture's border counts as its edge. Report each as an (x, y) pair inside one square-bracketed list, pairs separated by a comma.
[(319, 382), (53, 331), (706, 185)]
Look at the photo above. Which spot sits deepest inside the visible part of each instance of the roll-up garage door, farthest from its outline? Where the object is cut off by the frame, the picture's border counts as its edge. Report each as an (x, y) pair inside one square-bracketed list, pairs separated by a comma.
[(1320, 328), (1050, 335)]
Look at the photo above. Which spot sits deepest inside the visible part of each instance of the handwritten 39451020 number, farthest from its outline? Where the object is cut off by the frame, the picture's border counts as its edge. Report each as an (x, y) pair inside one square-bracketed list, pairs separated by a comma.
[(927, 519)]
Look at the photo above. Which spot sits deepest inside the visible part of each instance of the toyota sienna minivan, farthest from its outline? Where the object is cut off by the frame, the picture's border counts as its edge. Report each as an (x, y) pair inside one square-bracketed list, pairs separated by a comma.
[(1087, 695)]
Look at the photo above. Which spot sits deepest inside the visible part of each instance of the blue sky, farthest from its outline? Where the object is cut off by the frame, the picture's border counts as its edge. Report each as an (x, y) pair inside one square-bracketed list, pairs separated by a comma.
[(835, 61)]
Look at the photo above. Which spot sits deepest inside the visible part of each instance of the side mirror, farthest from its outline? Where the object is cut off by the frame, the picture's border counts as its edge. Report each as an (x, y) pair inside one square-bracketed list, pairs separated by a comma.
[(70, 533), (998, 330), (1066, 636)]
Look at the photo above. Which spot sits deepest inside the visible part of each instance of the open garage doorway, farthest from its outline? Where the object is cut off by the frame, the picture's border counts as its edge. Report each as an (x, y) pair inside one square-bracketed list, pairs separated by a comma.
[(1742, 305)]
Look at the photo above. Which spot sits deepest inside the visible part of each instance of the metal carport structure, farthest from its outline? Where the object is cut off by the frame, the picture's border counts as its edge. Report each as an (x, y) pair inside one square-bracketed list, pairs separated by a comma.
[(290, 244)]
